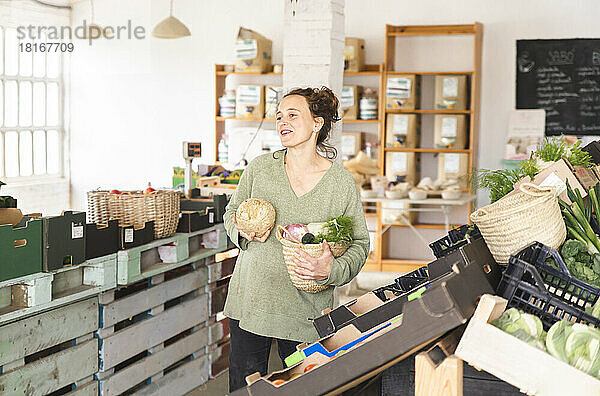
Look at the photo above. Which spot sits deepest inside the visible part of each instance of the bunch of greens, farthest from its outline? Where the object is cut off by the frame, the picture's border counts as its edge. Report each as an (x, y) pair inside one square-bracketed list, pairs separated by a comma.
[(336, 229), (580, 263), (579, 217), (500, 182), (554, 149), (574, 343)]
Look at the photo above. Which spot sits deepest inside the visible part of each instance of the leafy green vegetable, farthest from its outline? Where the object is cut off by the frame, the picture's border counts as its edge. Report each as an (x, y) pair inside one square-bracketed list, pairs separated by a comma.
[(578, 157), (336, 229), (557, 338), (580, 263)]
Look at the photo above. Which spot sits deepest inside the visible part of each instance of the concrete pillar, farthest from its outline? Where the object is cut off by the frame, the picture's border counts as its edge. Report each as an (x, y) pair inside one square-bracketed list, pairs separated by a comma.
[(313, 48)]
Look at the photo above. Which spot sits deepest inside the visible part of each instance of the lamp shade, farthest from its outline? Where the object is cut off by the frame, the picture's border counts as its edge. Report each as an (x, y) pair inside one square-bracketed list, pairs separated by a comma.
[(170, 28)]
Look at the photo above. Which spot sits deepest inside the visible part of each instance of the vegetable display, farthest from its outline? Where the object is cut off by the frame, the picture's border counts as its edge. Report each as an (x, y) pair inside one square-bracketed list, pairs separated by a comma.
[(500, 182), (574, 343)]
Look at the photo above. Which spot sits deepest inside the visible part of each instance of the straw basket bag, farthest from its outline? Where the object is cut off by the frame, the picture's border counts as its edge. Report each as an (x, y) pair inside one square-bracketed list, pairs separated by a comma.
[(255, 215), (135, 208), (513, 222), (314, 250)]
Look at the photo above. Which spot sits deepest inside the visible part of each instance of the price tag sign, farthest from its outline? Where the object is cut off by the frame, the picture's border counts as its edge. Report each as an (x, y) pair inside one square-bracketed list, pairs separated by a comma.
[(76, 231), (129, 235)]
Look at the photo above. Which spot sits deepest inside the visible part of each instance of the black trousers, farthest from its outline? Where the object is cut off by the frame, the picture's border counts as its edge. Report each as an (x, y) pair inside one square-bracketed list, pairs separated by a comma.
[(249, 353)]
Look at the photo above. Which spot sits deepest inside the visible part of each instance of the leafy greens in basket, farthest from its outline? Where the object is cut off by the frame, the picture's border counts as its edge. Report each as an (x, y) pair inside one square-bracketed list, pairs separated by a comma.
[(337, 229)]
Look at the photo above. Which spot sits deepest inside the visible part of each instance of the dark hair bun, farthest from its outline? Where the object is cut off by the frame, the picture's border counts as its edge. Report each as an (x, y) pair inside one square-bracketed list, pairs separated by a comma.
[(323, 103)]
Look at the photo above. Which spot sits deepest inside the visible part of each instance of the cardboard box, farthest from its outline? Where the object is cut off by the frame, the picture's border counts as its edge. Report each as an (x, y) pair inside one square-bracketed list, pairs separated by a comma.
[(63, 239), (401, 92), (451, 92), (21, 247), (450, 131), (402, 131), (555, 176), (453, 166), (101, 241), (250, 101), (351, 143), (130, 236), (273, 95), (403, 164), (252, 52), (349, 102), (354, 54)]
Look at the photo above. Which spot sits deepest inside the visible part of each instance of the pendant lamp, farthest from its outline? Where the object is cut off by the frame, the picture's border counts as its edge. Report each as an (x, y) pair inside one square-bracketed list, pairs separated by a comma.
[(171, 27), (92, 31)]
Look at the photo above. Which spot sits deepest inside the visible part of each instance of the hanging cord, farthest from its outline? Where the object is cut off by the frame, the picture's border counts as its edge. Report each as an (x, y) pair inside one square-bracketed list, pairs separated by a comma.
[(52, 5), (92, 11), (171, 9)]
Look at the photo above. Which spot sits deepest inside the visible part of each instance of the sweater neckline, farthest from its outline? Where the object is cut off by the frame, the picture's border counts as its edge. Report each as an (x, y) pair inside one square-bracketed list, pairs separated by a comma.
[(287, 179)]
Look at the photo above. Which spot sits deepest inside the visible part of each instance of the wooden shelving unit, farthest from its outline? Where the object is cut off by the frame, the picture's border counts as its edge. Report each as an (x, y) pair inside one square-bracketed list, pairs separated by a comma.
[(394, 33), (220, 84)]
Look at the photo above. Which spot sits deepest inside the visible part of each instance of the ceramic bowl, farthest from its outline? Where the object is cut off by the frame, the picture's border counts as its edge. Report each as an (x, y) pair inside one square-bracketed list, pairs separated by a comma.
[(416, 195), (368, 194), (451, 194), (396, 194)]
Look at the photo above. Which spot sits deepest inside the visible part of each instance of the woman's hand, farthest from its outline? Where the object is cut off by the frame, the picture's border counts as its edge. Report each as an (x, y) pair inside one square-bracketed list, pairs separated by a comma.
[(313, 268), (252, 236)]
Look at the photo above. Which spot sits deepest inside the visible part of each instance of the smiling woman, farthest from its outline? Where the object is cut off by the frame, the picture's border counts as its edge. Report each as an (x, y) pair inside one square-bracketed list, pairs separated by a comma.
[(304, 187)]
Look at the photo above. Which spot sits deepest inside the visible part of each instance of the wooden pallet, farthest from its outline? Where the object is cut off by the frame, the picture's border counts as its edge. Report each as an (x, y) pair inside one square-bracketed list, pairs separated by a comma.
[(222, 265), (533, 371), (217, 294), (144, 261), (154, 333), (52, 351), (218, 331), (38, 292), (219, 358)]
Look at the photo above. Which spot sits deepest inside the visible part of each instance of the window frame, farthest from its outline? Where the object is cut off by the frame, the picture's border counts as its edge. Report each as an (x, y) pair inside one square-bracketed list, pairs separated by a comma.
[(23, 14)]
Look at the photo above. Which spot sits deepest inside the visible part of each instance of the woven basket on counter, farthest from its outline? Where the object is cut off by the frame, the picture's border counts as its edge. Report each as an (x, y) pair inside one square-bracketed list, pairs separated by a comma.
[(313, 250), (530, 215), (135, 208)]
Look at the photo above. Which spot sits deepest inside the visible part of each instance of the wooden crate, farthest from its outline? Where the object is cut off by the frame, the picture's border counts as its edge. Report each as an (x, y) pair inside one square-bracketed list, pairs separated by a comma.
[(533, 371), (52, 351), (218, 331), (154, 333), (144, 261), (34, 293)]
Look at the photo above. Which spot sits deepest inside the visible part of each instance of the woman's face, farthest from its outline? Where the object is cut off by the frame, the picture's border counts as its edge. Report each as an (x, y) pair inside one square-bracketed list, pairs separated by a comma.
[(295, 123)]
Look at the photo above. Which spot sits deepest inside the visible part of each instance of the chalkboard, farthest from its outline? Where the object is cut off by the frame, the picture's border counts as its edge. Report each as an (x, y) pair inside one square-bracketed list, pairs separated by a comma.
[(563, 78)]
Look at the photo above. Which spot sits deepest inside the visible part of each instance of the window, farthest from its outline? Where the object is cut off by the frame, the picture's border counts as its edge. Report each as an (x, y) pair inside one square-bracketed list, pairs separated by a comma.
[(31, 109)]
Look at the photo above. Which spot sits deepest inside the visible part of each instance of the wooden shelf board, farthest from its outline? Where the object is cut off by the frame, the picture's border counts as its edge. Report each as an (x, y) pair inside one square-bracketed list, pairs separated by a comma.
[(371, 266), (424, 30), (430, 73), (225, 74), (426, 150), (401, 265), (420, 225), (219, 118), (360, 121), (428, 111)]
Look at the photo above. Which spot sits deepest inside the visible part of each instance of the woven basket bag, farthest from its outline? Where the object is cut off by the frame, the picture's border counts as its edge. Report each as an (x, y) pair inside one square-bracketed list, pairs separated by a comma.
[(530, 215), (134, 208), (314, 250)]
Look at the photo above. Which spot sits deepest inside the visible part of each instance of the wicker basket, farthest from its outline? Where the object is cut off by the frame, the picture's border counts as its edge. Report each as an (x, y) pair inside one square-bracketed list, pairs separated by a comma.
[(135, 208), (513, 222), (314, 250)]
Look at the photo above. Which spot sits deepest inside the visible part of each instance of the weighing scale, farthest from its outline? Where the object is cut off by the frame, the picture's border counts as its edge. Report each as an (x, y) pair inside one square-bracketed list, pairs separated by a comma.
[(190, 151)]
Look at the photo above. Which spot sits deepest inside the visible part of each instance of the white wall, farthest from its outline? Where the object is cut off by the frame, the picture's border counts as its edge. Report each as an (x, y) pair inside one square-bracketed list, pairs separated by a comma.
[(133, 102)]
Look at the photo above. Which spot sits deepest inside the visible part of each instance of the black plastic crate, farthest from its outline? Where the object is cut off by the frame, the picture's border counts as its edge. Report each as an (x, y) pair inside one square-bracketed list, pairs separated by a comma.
[(542, 290), (405, 283), (455, 239)]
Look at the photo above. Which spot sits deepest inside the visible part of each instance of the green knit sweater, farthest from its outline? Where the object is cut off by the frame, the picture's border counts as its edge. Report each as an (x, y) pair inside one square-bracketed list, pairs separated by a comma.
[(261, 295)]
